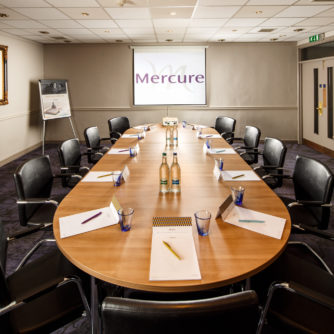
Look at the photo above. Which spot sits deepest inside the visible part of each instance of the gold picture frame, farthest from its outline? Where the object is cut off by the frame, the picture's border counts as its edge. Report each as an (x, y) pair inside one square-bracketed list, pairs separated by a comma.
[(3, 75)]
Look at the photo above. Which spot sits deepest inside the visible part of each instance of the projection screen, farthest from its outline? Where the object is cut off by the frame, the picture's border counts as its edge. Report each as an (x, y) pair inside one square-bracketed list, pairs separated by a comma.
[(168, 75)]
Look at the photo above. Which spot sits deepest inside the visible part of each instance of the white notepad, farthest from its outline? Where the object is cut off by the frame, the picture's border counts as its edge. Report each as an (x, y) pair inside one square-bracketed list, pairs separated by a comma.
[(273, 226), (72, 225), (221, 150), (109, 176), (247, 175), (131, 135), (209, 136), (165, 265), (119, 151)]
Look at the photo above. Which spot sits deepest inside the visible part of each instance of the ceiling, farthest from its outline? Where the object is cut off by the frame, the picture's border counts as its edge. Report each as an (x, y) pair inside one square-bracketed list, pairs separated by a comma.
[(152, 21)]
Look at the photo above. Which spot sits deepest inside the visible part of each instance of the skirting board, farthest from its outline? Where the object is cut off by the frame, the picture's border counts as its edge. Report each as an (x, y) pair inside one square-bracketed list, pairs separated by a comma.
[(318, 147), (19, 154)]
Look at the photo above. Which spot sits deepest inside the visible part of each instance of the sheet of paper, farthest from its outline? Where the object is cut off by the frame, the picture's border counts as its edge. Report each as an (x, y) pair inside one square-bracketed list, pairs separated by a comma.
[(209, 136), (119, 151), (165, 265), (72, 225), (107, 176), (221, 150), (272, 226), (244, 175), (131, 135)]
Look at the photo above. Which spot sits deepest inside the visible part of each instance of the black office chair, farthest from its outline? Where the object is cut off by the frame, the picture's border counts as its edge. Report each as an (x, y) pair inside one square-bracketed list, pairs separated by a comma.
[(298, 296), (42, 295), (313, 184), (95, 150), (273, 154), (33, 182), (226, 126), (251, 142), (235, 313), (70, 162), (117, 126)]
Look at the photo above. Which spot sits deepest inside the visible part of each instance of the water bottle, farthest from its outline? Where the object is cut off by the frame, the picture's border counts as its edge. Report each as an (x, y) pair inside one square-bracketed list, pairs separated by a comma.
[(164, 175), (168, 139), (175, 172), (175, 136)]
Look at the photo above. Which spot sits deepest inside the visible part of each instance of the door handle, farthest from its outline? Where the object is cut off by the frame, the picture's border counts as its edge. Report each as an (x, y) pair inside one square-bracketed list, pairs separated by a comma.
[(319, 108)]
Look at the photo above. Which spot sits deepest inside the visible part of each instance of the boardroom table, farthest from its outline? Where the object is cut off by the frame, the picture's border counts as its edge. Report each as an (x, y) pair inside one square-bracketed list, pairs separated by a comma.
[(227, 255)]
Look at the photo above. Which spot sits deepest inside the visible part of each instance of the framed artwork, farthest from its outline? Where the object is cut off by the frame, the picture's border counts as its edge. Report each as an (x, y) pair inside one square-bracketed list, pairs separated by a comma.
[(54, 99), (3, 75)]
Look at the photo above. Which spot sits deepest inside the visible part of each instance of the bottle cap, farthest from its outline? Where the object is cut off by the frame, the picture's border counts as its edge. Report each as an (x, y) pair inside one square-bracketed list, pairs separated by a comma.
[(164, 154), (174, 153)]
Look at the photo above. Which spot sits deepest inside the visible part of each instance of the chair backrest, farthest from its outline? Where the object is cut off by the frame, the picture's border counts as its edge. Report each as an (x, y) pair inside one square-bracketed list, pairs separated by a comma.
[(123, 315), (252, 136), (33, 179), (252, 139), (225, 124), (69, 153), (4, 292), (274, 152), (314, 181), (118, 124), (92, 137)]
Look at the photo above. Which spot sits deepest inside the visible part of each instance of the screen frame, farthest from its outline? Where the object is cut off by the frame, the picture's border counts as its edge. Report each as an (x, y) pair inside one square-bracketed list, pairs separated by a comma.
[(205, 104)]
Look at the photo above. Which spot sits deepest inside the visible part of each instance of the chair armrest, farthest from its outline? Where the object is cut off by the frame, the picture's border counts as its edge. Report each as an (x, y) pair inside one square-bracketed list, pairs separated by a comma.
[(315, 231), (227, 133), (37, 201), (27, 231), (310, 203), (84, 168), (293, 288), (32, 251)]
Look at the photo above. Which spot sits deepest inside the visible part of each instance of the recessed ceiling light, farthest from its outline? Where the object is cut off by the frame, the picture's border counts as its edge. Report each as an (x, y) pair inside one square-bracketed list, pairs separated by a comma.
[(172, 13), (169, 30), (258, 12), (107, 31), (221, 40), (298, 29), (4, 15), (67, 41), (44, 32), (85, 14), (169, 40), (266, 30), (234, 30), (273, 39), (119, 41), (282, 35)]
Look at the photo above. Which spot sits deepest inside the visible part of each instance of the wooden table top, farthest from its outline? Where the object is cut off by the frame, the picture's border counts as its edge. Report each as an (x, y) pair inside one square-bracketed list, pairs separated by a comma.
[(229, 254)]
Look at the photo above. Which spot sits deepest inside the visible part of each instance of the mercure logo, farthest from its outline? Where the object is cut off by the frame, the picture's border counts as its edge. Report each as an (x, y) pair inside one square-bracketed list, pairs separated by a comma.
[(169, 78)]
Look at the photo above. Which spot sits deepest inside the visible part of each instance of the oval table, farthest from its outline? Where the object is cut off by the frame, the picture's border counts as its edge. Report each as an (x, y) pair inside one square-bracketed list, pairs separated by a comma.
[(227, 255)]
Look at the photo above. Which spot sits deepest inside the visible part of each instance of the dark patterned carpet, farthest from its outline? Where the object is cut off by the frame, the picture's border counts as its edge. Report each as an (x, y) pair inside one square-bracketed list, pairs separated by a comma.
[(8, 212)]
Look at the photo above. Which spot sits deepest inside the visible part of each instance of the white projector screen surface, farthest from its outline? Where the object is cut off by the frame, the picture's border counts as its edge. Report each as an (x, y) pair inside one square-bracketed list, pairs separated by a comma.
[(169, 75)]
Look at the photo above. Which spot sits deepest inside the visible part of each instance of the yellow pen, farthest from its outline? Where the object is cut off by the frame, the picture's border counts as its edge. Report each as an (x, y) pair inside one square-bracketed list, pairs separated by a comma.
[(237, 176), (104, 175), (171, 249)]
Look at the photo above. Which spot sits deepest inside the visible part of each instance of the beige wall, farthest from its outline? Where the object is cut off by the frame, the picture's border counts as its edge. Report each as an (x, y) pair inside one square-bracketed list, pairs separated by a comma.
[(20, 124), (254, 82)]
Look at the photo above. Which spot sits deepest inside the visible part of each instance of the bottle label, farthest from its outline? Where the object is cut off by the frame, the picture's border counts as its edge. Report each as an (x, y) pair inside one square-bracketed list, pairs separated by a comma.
[(163, 182), (176, 182)]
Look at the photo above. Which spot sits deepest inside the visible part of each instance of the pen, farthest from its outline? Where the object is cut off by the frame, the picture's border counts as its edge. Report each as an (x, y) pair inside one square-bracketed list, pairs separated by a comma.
[(171, 249), (92, 217), (251, 221), (207, 136), (237, 176), (104, 175), (220, 151), (123, 150)]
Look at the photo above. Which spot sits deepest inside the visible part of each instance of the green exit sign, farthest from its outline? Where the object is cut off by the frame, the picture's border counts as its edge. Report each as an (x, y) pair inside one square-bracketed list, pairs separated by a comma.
[(316, 38)]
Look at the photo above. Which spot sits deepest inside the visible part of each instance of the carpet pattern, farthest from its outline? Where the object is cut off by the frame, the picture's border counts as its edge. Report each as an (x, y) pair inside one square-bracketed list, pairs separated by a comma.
[(16, 249)]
